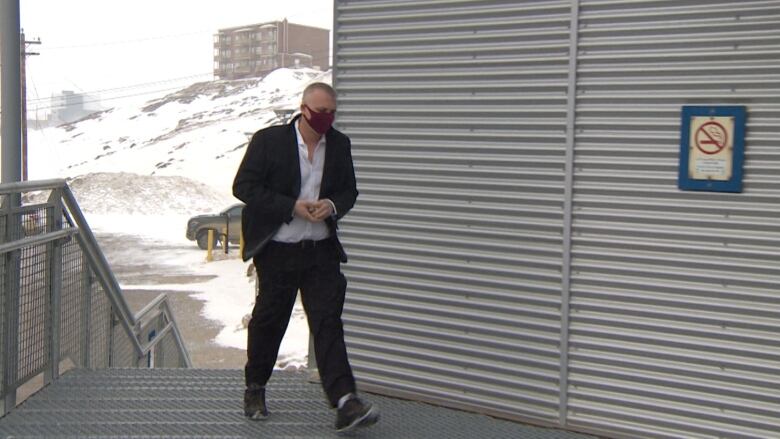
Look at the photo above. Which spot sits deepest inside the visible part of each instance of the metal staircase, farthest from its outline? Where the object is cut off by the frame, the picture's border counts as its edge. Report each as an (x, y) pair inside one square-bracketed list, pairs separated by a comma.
[(189, 403), (76, 363), (60, 305)]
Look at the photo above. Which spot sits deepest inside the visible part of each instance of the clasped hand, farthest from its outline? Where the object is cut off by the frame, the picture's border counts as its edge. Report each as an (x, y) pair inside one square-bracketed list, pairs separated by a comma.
[(313, 211)]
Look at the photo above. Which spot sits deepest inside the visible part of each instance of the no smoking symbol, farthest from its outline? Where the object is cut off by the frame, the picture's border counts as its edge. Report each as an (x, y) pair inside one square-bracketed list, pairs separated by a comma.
[(711, 138)]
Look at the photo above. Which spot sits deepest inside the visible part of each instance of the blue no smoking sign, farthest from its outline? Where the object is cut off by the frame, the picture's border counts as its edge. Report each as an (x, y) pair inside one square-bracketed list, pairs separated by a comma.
[(712, 148)]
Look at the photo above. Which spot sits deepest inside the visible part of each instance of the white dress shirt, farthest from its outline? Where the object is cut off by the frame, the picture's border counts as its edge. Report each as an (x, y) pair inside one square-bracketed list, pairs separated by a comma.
[(300, 229)]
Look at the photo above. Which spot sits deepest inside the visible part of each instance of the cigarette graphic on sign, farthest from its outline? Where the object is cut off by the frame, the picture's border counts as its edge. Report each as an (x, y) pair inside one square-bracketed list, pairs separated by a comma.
[(711, 138)]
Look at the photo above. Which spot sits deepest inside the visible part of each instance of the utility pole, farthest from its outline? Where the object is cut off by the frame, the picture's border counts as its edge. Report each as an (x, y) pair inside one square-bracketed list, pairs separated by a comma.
[(11, 108), (23, 54)]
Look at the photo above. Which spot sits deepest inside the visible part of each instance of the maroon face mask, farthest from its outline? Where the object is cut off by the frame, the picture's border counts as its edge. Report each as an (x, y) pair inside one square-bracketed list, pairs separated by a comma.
[(320, 122)]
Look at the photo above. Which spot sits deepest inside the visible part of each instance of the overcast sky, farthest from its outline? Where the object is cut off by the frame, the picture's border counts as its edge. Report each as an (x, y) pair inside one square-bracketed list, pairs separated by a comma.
[(117, 46)]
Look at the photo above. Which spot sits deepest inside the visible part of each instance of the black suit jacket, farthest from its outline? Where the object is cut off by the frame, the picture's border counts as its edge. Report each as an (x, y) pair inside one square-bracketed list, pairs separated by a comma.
[(269, 182)]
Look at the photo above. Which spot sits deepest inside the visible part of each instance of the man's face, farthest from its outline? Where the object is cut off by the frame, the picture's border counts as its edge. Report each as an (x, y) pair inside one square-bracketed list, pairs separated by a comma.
[(319, 101)]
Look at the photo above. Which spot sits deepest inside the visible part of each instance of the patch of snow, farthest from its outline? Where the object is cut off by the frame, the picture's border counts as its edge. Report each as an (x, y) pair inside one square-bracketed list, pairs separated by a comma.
[(145, 166)]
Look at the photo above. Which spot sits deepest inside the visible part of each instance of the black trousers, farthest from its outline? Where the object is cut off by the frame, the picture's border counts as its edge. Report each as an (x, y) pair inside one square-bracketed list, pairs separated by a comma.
[(314, 269)]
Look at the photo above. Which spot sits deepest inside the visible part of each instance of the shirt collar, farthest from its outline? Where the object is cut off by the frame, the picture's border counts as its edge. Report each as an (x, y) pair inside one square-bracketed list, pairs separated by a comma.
[(300, 137)]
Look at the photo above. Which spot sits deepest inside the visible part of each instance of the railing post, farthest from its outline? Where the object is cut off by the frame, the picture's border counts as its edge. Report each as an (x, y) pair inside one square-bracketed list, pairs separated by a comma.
[(54, 223), (5, 295), (11, 288), (159, 349), (86, 319), (112, 322), (55, 261)]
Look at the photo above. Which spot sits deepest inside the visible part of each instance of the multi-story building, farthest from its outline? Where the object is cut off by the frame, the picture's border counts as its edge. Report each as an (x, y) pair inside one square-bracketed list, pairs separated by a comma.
[(248, 51)]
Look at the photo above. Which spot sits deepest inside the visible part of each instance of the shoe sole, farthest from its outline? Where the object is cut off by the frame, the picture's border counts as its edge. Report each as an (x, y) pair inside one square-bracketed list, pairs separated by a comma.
[(256, 416), (367, 420)]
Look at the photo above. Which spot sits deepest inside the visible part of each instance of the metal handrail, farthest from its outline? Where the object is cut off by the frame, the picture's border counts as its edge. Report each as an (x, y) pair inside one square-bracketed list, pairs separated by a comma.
[(29, 186), (31, 241), (131, 323), (159, 307), (99, 263), (65, 205)]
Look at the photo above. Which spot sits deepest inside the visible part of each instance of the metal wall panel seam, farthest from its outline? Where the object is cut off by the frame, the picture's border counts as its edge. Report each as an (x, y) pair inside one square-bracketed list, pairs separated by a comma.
[(502, 284), (506, 34), (665, 32), (463, 25), (405, 12), (618, 383), (567, 214), (394, 4), (669, 9), (540, 355), (540, 296)]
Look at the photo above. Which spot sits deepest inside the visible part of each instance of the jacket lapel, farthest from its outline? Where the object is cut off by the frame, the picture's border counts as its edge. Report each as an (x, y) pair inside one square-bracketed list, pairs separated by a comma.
[(327, 168), (294, 159)]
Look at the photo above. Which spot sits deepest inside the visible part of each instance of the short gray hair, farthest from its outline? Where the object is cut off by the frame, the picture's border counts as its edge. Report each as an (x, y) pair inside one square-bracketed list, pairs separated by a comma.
[(318, 86)]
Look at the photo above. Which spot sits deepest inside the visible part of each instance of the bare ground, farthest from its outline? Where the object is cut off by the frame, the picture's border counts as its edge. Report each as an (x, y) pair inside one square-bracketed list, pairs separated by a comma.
[(197, 331)]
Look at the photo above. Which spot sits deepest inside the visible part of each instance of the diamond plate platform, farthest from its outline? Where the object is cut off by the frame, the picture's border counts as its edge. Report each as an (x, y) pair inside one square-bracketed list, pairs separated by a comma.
[(199, 403)]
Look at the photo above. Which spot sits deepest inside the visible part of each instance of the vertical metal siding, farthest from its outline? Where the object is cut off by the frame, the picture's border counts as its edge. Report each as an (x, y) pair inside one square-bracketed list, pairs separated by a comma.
[(675, 311), (457, 115)]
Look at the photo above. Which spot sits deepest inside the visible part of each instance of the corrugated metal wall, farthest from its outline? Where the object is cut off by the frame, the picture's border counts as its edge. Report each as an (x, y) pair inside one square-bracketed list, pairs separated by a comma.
[(675, 296), (457, 114), (459, 244)]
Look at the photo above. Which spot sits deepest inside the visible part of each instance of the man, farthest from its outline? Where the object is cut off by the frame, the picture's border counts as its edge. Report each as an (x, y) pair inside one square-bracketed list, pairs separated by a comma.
[(297, 181)]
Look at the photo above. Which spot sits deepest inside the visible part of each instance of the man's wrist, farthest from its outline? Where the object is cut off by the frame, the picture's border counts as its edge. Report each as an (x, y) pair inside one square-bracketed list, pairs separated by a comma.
[(332, 205)]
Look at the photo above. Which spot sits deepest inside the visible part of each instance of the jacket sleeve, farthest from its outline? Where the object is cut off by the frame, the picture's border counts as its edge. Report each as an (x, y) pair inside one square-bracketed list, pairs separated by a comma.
[(251, 184), (345, 197)]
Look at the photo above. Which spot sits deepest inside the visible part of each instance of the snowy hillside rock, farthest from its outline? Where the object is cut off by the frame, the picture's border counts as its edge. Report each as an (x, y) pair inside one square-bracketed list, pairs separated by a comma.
[(199, 132)]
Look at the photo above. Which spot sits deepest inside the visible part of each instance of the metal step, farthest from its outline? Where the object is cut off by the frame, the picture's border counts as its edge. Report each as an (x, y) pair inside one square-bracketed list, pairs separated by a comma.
[(199, 403)]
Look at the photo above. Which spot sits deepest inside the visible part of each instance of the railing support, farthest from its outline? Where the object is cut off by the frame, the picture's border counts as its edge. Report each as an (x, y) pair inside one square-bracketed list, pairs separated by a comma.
[(11, 284), (53, 223), (86, 317), (15, 245)]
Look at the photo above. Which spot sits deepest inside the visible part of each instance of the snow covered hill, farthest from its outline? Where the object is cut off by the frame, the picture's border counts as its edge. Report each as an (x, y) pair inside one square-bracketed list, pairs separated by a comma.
[(134, 194), (199, 132), (142, 168)]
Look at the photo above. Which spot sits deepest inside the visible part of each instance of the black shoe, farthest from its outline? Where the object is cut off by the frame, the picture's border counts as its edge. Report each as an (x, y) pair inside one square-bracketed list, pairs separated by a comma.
[(254, 402), (355, 413)]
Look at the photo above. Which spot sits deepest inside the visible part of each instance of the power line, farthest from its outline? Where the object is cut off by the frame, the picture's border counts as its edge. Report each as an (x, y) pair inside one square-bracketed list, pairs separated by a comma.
[(110, 99), (130, 87), (164, 81), (56, 107)]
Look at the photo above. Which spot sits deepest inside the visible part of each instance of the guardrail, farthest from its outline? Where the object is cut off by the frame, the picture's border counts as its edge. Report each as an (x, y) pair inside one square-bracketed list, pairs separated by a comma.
[(61, 306)]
